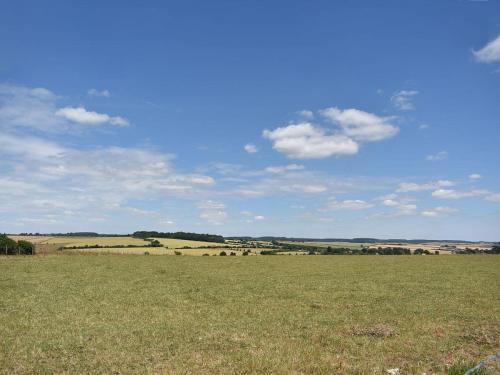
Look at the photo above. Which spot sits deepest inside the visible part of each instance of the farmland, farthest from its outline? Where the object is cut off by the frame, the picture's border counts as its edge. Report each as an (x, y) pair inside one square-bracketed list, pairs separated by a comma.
[(287, 314)]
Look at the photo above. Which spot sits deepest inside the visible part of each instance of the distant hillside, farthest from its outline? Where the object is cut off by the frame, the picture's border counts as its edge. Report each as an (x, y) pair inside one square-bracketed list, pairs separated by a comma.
[(181, 236), (356, 240)]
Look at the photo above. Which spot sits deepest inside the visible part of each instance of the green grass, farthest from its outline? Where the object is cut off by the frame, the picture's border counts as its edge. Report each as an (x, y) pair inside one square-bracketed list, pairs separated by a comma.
[(225, 315)]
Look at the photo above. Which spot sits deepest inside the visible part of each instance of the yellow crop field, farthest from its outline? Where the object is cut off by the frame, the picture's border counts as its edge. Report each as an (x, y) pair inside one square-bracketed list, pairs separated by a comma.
[(66, 241)]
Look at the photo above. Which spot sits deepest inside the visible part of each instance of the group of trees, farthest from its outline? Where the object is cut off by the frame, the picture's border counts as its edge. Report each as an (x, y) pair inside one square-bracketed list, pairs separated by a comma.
[(494, 250), (10, 247), (181, 236)]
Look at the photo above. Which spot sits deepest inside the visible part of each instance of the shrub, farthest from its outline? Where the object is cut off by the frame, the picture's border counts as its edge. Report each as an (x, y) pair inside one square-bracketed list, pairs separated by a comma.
[(26, 247), (205, 255), (232, 253), (222, 254), (177, 253), (146, 253), (7, 245)]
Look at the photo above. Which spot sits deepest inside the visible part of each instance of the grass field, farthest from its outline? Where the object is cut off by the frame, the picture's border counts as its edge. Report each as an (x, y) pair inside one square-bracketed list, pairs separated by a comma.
[(152, 251), (284, 314)]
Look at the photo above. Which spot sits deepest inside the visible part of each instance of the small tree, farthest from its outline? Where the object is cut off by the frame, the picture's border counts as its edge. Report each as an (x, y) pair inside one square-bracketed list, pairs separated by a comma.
[(222, 254)]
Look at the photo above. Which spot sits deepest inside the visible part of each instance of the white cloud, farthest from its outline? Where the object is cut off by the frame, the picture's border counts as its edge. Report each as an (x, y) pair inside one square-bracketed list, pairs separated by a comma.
[(213, 212), (455, 194), (349, 204), (250, 148), (475, 176), (285, 168), (82, 116), (308, 115), (24, 107), (305, 141), (424, 126), (259, 218), (441, 155), (44, 177), (102, 93), (489, 53), (390, 203), (307, 188), (413, 187), (439, 211), (493, 197), (360, 125), (36, 108), (403, 99)]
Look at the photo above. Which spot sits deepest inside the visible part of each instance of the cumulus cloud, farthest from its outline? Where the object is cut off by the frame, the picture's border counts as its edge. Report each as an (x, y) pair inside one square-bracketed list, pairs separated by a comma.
[(360, 125), (475, 176), (439, 211), (490, 53), (305, 141), (403, 99), (250, 148), (285, 168), (441, 155), (82, 116), (97, 93)]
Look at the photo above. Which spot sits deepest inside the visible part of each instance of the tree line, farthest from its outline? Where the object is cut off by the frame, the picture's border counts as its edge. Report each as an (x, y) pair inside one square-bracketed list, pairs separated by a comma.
[(180, 236), (10, 247)]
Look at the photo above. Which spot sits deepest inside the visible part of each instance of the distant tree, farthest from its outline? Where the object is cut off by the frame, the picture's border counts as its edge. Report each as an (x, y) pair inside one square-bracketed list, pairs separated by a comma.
[(222, 254)]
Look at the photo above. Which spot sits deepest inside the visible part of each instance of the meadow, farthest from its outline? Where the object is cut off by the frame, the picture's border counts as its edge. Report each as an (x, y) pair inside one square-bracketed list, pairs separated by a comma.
[(239, 315)]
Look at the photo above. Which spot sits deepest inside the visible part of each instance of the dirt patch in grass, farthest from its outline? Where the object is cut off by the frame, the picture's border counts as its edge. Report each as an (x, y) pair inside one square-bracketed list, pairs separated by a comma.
[(378, 330)]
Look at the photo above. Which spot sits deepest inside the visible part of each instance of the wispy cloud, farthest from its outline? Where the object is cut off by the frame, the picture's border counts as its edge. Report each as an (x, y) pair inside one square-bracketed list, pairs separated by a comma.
[(37, 108), (403, 100), (441, 155), (490, 53), (97, 93)]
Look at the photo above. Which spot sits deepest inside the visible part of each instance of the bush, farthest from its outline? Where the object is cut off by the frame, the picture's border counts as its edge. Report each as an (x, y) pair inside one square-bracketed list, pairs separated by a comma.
[(222, 254), (245, 253), (10, 247), (26, 247), (7, 245), (177, 253), (205, 255), (232, 253)]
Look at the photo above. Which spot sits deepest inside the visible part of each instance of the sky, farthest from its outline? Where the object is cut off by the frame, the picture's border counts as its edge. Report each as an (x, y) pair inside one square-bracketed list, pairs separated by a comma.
[(286, 118)]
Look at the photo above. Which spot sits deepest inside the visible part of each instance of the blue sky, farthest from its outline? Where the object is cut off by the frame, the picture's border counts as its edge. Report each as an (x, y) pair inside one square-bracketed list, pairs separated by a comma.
[(297, 118)]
